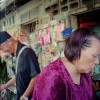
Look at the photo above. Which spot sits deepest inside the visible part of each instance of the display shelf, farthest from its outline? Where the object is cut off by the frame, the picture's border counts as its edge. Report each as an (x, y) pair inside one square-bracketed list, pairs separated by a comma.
[(63, 2), (73, 6), (64, 8)]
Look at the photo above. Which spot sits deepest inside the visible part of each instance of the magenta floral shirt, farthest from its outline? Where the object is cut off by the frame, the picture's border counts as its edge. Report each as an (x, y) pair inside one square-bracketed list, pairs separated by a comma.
[(55, 83)]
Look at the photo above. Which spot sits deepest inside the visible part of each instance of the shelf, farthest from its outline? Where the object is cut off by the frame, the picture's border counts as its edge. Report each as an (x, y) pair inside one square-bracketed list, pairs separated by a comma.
[(73, 5), (70, 1), (63, 2), (65, 8)]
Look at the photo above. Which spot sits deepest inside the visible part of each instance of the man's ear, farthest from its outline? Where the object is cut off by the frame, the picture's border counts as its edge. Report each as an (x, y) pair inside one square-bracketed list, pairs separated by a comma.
[(10, 41)]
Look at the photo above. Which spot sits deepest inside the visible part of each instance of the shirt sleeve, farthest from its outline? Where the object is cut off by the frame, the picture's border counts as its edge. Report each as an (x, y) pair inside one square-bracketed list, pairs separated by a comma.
[(50, 88), (32, 62)]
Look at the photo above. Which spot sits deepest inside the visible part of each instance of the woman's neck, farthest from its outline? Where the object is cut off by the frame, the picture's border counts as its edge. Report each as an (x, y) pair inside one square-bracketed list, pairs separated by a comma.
[(75, 75)]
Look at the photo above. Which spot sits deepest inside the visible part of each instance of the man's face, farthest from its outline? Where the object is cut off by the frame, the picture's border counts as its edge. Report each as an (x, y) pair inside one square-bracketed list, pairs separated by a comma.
[(4, 55), (7, 47)]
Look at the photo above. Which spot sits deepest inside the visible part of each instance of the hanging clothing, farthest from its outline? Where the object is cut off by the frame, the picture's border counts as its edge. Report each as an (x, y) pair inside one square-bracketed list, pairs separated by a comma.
[(47, 35), (40, 38), (59, 27), (53, 37)]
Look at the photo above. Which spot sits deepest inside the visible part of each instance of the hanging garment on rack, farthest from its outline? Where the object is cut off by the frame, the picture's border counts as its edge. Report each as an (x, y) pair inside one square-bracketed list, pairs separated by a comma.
[(47, 35), (59, 27), (40, 38)]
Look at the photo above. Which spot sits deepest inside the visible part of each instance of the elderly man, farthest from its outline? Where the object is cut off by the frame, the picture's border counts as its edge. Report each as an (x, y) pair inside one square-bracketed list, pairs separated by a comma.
[(27, 67)]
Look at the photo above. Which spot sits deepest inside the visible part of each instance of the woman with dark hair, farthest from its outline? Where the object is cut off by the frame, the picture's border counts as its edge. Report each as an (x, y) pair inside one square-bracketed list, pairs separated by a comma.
[(69, 78)]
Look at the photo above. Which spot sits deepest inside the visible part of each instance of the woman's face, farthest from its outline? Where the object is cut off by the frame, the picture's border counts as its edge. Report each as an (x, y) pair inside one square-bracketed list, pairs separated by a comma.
[(89, 57)]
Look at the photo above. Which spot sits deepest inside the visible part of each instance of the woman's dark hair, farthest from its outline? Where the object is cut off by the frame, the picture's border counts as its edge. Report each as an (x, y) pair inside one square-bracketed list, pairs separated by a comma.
[(78, 40)]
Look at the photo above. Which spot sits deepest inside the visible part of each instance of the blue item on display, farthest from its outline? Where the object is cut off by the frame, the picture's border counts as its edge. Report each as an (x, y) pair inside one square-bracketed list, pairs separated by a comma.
[(66, 32)]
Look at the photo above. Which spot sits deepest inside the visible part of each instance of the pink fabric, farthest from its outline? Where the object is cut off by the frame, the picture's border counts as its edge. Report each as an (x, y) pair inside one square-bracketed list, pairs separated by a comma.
[(47, 35), (55, 83), (59, 27), (40, 38)]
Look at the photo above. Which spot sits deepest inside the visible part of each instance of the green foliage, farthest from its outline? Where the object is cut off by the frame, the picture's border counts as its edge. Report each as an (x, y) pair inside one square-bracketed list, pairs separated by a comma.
[(3, 71)]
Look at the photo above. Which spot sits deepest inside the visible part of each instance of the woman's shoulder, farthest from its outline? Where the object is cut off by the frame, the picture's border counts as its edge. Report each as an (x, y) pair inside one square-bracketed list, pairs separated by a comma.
[(51, 70), (54, 66)]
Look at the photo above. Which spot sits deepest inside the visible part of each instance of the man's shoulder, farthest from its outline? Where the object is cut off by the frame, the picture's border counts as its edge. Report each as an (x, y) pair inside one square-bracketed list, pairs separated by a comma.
[(28, 50)]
